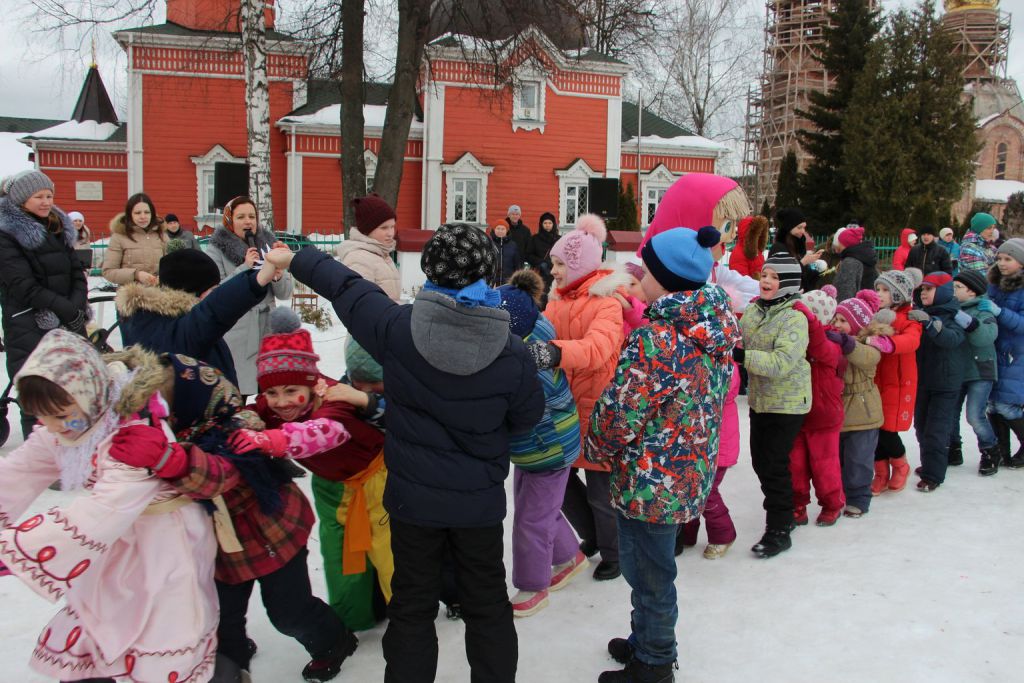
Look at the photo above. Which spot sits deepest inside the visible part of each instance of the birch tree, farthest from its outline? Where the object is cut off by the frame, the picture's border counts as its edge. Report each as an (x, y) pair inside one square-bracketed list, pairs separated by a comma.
[(257, 110)]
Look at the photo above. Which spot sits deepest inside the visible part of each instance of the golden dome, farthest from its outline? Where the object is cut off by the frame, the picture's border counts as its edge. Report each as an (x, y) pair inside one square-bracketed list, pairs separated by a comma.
[(958, 5)]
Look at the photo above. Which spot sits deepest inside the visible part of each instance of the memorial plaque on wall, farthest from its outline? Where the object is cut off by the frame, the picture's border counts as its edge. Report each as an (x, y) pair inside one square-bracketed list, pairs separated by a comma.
[(89, 191)]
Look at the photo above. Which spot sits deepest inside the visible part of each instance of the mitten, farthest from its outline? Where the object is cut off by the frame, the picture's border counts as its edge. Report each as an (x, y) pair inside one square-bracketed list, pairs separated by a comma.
[(966, 321), (147, 447), (273, 442), (738, 354), (802, 307), (845, 341), (989, 306), (545, 355), (918, 315), (47, 319), (882, 343), (936, 325)]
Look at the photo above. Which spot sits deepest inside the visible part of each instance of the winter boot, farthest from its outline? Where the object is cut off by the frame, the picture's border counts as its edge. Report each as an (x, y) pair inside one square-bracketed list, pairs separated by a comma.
[(527, 603), (828, 517), (1002, 430), (881, 480), (606, 571), (900, 470), (800, 515), (621, 650), (990, 458), (638, 672), (956, 453), (772, 543), (1016, 461), (325, 666)]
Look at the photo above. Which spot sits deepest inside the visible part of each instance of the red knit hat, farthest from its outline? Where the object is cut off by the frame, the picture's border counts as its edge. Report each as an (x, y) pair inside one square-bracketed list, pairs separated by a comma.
[(371, 211), (286, 355), (851, 236), (937, 279)]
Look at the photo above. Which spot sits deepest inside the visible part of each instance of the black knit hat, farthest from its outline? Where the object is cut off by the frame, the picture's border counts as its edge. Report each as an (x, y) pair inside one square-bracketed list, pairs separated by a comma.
[(188, 270), (927, 230), (787, 219), (457, 256), (974, 280)]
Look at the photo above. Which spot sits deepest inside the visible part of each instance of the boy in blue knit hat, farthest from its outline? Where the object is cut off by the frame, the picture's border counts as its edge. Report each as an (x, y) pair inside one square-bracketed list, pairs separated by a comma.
[(658, 423)]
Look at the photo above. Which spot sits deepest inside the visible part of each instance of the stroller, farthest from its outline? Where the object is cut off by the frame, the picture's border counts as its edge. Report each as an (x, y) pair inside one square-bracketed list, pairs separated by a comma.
[(98, 338)]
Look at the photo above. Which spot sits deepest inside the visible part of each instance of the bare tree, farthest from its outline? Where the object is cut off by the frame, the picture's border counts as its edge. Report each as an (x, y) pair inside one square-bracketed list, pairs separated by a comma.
[(621, 28)]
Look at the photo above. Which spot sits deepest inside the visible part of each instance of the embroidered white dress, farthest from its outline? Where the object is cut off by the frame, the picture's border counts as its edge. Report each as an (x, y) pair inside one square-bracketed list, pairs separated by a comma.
[(132, 561)]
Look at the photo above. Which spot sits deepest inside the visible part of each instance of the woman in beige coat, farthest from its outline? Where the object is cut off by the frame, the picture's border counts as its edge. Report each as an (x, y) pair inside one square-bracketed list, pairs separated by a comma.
[(368, 248), (137, 243)]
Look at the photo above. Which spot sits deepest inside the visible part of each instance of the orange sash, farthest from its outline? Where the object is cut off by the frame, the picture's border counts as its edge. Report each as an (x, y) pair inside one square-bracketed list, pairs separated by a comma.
[(358, 538)]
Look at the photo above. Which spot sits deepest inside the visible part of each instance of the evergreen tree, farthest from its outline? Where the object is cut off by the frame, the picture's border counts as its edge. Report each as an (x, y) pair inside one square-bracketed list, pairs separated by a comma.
[(787, 194), (826, 194), (628, 217), (976, 207), (1013, 216), (909, 137)]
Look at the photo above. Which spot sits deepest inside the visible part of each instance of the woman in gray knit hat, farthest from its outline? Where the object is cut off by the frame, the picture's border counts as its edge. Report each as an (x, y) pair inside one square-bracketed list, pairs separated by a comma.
[(42, 283)]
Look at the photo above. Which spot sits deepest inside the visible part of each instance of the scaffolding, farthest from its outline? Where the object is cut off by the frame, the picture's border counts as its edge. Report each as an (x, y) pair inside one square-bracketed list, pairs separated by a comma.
[(982, 35)]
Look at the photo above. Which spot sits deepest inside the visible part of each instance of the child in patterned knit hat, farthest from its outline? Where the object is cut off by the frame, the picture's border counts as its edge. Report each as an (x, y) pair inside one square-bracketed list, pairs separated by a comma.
[(775, 338), (348, 480), (896, 378), (863, 333), (545, 554), (815, 453)]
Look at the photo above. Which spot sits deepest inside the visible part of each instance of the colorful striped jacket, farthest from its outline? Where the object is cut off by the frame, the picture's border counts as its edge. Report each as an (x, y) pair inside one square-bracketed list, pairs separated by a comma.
[(555, 442), (659, 421)]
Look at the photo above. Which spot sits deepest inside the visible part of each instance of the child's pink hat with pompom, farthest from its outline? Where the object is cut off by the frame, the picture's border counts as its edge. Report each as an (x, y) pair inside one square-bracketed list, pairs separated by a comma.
[(822, 303), (859, 310), (581, 249)]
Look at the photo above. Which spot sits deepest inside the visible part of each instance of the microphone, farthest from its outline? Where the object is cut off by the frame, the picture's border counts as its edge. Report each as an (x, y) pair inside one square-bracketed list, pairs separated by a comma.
[(250, 238)]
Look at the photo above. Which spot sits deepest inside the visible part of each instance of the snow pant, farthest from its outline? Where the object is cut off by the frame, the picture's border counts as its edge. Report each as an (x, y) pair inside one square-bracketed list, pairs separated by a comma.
[(352, 595), (649, 567), (540, 535), (291, 606), (588, 507), (721, 530), (815, 458), (933, 418), (410, 642), (771, 439), (857, 455), (890, 446)]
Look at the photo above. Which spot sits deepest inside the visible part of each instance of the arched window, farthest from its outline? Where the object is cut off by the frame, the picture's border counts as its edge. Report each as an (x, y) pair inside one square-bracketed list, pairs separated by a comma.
[(1001, 150)]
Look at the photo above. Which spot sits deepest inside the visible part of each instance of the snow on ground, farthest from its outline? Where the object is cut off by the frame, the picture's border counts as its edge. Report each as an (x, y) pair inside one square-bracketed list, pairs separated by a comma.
[(924, 588)]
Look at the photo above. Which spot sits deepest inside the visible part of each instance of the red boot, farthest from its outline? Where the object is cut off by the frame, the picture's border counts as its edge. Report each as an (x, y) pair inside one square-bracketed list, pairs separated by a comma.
[(881, 480), (900, 470)]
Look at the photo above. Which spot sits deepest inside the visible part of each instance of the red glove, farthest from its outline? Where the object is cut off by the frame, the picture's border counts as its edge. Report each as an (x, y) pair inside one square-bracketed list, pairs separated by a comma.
[(272, 442), (147, 447)]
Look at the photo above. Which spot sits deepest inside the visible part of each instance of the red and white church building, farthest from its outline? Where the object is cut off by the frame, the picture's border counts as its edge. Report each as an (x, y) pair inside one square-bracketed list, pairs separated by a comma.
[(473, 150)]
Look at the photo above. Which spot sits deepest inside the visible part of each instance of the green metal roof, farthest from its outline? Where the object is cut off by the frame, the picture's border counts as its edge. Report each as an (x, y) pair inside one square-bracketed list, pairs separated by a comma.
[(16, 124), (172, 29), (652, 124)]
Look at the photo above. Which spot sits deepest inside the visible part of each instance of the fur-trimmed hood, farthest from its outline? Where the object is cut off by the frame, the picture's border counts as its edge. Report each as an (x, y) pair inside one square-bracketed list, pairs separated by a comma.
[(151, 375), (27, 231), (752, 235), (234, 248), (875, 329), (1007, 283), (172, 303), (609, 284)]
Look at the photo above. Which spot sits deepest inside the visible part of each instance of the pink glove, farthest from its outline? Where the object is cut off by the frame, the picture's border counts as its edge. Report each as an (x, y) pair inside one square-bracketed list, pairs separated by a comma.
[(273, 442), (882, 343), (4, 571), (147, 447)]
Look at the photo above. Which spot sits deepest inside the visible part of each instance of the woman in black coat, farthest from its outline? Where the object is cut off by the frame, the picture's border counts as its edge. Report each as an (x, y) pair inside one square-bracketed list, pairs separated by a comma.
[(540, 246), (791, 238), (42, 284)]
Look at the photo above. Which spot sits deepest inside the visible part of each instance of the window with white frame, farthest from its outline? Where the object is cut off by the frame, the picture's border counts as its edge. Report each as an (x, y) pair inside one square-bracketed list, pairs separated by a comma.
[(528, 98), (572, 191), (466, 190), (370, 164), (207, 212), (653, 186)]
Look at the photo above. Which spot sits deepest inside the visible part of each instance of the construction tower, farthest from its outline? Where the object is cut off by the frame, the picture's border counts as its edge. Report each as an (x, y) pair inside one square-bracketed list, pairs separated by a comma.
[(982, 34)]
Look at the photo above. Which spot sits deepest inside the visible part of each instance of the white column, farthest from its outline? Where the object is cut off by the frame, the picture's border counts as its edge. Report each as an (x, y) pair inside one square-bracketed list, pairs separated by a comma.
[(134, 123), (294, 214), (614, 146), (433, 154)]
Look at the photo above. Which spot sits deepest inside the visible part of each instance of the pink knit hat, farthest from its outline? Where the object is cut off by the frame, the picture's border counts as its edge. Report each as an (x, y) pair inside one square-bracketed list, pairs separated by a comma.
[(581, 249), (822, 303), (860, 310), (851, 236)]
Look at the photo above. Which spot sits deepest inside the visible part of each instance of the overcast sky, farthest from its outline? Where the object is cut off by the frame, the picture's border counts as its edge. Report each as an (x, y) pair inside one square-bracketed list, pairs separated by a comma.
[(39, 79)]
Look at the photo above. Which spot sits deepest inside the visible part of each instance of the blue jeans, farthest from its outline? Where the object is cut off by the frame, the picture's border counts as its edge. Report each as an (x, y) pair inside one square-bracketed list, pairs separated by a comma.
[(647, 559), (1007, 410), (977, 393)]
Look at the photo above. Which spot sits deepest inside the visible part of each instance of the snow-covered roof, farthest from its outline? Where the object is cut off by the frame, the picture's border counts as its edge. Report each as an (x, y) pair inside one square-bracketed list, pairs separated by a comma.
[(373, 117), (680, 143), (78, 130), (13, 155), (996, 190)]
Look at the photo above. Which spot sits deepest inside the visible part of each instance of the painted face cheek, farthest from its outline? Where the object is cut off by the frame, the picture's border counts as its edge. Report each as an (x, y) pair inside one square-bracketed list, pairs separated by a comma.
[(76, 424), (300, 399)]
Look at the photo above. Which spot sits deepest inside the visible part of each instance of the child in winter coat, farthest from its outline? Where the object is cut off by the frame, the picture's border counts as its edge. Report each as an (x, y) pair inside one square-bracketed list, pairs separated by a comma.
[(978, 247), (938, 390), (815, 453), (747, 257), (659, 423), (348, 480), (1006, 303), (775, 340), (896, 378), (969, 288), (588, 338), (545, 554), (862, 333), (131, 557), (509, 259)]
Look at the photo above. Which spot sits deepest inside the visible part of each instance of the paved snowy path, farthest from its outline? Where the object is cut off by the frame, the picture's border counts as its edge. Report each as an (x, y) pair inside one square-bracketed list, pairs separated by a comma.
[(924, 588)]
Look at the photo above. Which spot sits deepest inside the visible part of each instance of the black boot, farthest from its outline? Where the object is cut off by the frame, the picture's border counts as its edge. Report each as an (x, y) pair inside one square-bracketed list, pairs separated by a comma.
[(956, 454), (620, 650), (606, 571), (990, 458), (638, 672), (772, 543), (324, 667), (1016, 461), (1002, 431)]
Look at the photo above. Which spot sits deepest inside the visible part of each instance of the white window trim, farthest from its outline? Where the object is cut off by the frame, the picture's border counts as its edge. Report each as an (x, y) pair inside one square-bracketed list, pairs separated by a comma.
[(529, 73), (205, 164), (370, 164), (468, 167), (579, 173), (658, 178)]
